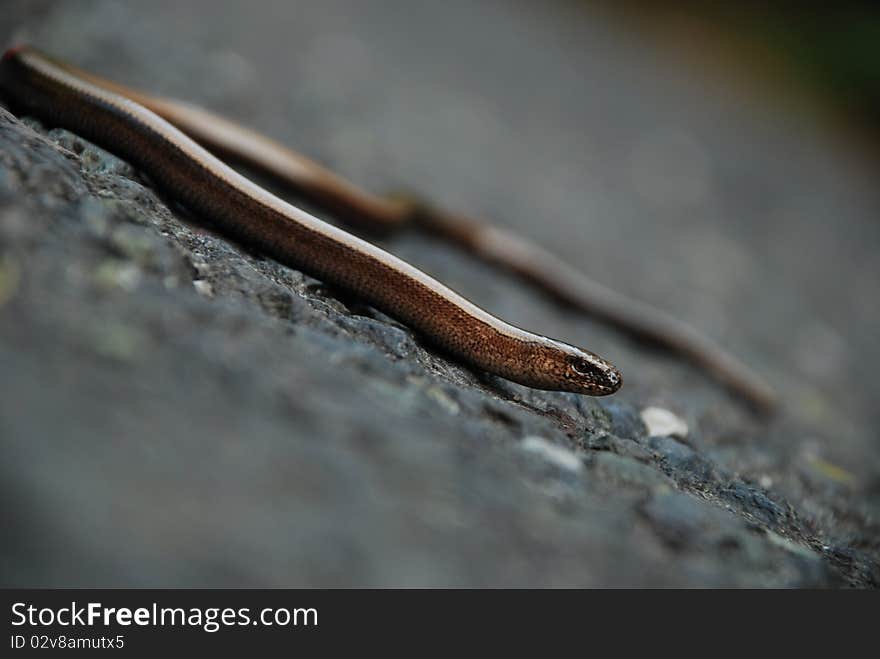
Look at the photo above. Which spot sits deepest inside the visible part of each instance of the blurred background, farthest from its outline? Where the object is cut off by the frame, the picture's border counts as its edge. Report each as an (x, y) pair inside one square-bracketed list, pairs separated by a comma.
[(824, 57), (716, 160)]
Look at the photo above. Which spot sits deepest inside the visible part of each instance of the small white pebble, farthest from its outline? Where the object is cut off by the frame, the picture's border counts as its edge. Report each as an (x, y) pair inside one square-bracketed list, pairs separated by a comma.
[(128, 277), (204, 287), (663, 423), (765, 481), (791, 546), (444, 400), (201, 267), (552, 453)]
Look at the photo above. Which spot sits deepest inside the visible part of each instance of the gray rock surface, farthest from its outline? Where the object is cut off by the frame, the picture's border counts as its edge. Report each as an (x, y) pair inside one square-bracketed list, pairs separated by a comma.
[(176, 411)]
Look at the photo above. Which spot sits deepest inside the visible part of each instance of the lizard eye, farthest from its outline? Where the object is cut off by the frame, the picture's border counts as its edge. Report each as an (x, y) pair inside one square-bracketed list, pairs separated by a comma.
[(581, 367)]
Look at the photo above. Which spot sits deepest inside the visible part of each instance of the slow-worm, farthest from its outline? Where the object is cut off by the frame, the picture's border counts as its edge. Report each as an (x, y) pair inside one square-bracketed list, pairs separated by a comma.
[(379, 215), (251, 215)]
